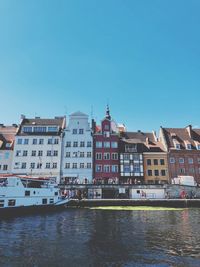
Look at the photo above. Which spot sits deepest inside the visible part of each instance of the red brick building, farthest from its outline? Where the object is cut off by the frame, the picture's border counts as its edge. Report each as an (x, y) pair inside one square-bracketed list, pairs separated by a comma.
[(106, 153), (183, 147)]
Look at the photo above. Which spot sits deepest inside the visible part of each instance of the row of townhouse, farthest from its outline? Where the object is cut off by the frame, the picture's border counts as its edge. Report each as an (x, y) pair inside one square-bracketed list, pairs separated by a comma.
[(77, 152)]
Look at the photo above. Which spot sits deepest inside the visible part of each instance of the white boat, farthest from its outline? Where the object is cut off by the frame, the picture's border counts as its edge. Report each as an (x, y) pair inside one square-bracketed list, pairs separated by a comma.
[(24, 194)]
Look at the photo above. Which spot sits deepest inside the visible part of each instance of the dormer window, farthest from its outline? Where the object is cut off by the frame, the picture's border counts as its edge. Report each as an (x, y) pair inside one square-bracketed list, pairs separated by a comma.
[(178, 146), (198, 147), (189, 146)]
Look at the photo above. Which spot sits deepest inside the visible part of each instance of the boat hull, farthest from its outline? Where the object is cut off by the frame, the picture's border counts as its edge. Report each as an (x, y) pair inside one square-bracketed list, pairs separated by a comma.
[(29, 210)]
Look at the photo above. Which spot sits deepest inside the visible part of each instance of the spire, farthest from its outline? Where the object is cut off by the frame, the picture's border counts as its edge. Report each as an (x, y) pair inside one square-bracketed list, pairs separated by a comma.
[(108, 113)]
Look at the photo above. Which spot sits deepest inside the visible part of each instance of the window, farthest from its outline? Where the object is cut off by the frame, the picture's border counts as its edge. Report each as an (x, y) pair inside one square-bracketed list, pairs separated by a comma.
[(75, 154), (27, 193), (26, 141), (106, 127), (178, 146), (162, 162), (67, 165), (182, 170), (114, 168), (181, 160), (17, 164), (106, 156), (131, 148), (189, 146), (114, 144), (198, 147), (156, 172), (68, 144), (89, 165), (11, 202), (54, 165), (155, 162), (48, 153), (163, 172), (149, 172), (52, 129), (51, 201), (56, 141), (40, 153), (39, 165), (74, 165), (148, 162), (33, 153), (98, 144), (81, 131), (98, 156), (81, 165), (190, 161), (172, 160), (25, 153), (50, 141), (23, 165), (55, 153), (19, 141), (126, 156), (32, 165), (106, 168), (39, 129), (74, 131), (5, 167), (136, 167), (89, 144), (191, 170), (44, 201), (82, 144), (106, 134), (98, 168), (18, 153), (48, 165), (75, 144), (127, 168), (106, 144), (34, 141), (1, 203), (41, 141), (27, 129), (198, 160), (114, 156), (82, 154), (67, 155), (136, 157), (89, 154)]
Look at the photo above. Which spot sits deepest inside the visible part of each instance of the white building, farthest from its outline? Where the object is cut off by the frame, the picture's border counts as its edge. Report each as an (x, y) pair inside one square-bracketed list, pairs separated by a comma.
[(7, 137), (77, 150), (37, 150)]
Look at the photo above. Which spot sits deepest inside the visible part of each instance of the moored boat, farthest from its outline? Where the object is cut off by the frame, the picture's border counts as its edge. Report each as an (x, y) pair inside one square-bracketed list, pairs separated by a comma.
[(20, 194)]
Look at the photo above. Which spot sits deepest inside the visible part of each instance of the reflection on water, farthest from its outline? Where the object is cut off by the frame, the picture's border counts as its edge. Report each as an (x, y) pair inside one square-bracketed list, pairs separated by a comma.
[(81, 237)]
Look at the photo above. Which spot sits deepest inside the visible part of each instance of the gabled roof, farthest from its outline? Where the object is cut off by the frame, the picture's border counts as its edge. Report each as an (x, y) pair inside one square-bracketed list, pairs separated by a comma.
[(183, 136)]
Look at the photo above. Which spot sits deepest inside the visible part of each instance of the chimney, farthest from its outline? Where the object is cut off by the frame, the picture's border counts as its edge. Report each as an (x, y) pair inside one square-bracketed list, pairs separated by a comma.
[(23, 116), (189, 130), (147, 140)]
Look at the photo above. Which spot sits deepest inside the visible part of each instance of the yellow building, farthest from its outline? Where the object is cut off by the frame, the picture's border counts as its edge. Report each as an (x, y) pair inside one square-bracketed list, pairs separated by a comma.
[(155, 167)]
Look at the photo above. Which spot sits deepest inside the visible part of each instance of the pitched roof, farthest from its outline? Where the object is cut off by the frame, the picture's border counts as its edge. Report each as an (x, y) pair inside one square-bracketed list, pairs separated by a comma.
[(7, 136), (182, 136)]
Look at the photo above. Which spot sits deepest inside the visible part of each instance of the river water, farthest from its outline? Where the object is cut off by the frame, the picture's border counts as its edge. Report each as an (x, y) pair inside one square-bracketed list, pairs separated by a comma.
[(83, 237)]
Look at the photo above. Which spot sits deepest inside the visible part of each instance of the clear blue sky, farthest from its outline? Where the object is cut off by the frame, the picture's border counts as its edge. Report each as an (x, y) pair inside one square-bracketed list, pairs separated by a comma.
[(142, 56)]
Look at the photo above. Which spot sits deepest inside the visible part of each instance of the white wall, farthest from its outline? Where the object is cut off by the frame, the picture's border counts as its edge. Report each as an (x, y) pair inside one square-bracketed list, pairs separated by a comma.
[(77, 121)]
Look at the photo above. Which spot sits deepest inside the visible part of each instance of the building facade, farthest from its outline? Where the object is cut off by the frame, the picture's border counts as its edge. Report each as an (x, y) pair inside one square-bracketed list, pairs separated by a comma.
[(77, 153), (183, 147), (37, 149), (106, 151), (7, 137)]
